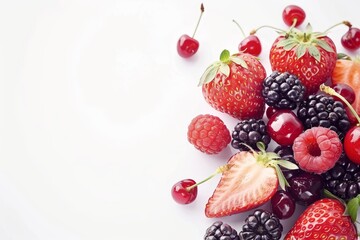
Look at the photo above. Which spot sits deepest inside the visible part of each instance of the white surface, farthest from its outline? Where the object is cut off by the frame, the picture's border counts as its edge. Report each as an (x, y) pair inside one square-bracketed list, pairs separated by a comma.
[(94, 108)]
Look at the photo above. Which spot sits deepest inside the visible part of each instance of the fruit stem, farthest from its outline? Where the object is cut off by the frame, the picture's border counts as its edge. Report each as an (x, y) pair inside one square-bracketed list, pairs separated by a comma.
[(293, 25), (332, 92), (240, 28), (220, 169), (197, 25), (346, 23), (266, 26)]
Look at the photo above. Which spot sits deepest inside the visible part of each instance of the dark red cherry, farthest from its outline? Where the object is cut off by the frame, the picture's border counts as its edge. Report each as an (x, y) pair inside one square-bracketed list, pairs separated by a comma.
[(187, 46), (351, 39), (344, 90), (271, 111), (251, 44), (293, 13), (352, 144), (283, 127), (181, 194), (282, 204)]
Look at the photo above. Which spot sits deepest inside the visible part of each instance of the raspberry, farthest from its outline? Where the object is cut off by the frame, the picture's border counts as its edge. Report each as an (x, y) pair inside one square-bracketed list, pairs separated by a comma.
[(208, 134), (317, 149)]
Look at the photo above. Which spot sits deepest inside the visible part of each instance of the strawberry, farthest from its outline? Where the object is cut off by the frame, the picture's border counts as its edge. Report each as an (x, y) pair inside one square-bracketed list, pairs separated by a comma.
[(233, 85), (324, 219), (251, 179), (309, 55)]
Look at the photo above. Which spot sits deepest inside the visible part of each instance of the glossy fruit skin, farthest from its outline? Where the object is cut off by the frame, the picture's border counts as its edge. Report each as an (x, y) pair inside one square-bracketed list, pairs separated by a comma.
[(181, 195), (220, 230), (344, 90), (239, 94), (352, 144), (282, 204), (291, 12), (283, 127), (324, 219), (187, 46), (271, 111), (311, 73), (351, 39), (251, 44), (306, 188)]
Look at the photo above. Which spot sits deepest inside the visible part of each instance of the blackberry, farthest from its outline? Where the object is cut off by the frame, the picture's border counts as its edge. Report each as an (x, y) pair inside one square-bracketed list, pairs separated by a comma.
[(249, 132), (322, 110), (343, 180), (261, 225), (283, 90), (221, 231)]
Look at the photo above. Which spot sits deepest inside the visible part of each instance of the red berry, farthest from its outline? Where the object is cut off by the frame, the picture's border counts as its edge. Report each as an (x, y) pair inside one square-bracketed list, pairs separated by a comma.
[(352, 144), (208, 134), (186, 45), (251, 44), (271, 111), (352, 118), (282, 204), (292, 12), (283, 127), (351, 39), (181, 194), (344, 90), (317, 149)]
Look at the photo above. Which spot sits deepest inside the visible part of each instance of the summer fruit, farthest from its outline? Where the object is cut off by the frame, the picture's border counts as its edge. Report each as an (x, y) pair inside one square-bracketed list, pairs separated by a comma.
[(348, 72), (283, 127), (208, 134), (283, 90), (261, 225), (306, 188), (309, 55), (344, 90), (293, 15), (351, 39), (187, 46), (286, 153), (322, 110), (343, 180), (221, 231), (181, 192), (250, 44), (352, 137), (233, 85), (282, 204), (251, 180), (317, 149), (270, 111), (324, 219), (249, 132)]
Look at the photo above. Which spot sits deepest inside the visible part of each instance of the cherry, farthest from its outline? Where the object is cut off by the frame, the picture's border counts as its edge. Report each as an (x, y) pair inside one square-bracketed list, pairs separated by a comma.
[(344, 90), (250, 44), (187, 46), (282, 204), (351, 39), (182, 193), (271, 111), (293, 15), (283, 127), (352, 118)]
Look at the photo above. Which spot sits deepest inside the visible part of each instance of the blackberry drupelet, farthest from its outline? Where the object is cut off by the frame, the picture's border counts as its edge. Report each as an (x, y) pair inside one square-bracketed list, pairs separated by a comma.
[(283, 90), (261, 225), (249, 132), (322, 110), (221, 231), (343, 180)]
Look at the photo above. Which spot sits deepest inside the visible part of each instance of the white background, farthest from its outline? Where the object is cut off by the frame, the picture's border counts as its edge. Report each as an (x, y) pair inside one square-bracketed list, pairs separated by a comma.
[(94, 109)]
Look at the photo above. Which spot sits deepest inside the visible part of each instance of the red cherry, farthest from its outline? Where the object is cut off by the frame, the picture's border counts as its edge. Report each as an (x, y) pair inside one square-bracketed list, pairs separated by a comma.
[(283, 127), (271, 111), (344, 90), (181, 193), (186, 45), (251, 44), (282, 204), (352, 118), (351, 39), (352, 144), (293, 14)]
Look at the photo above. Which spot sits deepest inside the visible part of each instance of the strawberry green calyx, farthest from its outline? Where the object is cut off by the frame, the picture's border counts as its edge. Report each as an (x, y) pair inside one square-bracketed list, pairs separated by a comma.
[(221, 66), (352, 208)]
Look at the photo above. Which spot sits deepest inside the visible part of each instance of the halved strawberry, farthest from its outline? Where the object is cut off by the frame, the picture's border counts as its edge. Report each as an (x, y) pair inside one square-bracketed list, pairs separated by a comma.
[(251, 180)]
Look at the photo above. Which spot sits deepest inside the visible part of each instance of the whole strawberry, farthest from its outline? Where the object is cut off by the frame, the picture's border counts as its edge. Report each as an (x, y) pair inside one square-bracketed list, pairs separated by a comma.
[(324, 220), (311, 56), (233, 85)]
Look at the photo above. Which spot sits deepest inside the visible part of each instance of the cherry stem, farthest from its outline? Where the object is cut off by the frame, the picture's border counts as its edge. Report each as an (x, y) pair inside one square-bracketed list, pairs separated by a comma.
[(239, 27), (332, 92), (197, 25), (266, 26), (346, 23), (220, 169), (293, 24)]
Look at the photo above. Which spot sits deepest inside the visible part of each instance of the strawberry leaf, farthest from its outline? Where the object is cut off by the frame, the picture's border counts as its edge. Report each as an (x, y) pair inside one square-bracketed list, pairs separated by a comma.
[(209, 74), (224, 56), (352, 208), (308, 29), (324, 45), (239, 61), (284, 42), (290, 46), (314, 52), (287, 164), (225, 69), (282, 181), (300, 50)]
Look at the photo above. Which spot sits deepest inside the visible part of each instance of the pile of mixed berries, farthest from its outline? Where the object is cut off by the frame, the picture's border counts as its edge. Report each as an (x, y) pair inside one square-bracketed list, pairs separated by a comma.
[(307, 108)]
